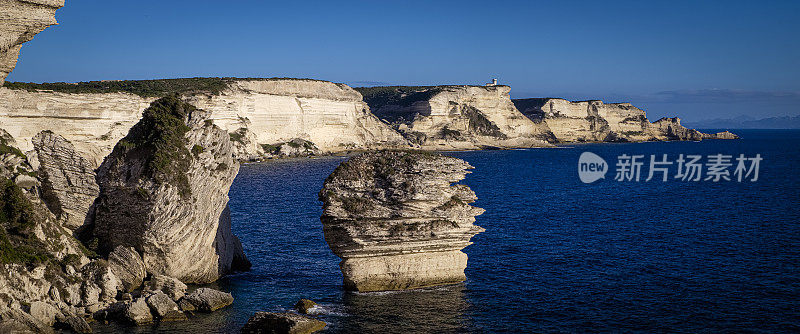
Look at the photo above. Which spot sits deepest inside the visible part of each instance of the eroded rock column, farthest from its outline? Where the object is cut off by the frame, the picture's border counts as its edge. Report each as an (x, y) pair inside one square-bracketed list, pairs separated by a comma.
[(164, 192), (398, 221)]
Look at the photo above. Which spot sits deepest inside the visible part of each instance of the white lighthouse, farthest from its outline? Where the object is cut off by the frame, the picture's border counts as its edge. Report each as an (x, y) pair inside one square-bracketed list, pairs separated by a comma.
[(493, 83)]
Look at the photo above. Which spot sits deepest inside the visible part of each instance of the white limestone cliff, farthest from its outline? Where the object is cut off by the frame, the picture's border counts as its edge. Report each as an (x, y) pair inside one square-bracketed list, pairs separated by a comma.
[(49, 278), (93, 123), (20, 21), (456, 117), (274, 111), (595, 121), (332, 116)]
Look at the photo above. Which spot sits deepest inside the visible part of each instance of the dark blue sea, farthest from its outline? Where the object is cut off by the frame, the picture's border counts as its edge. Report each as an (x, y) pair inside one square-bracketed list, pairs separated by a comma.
[(558, 255)]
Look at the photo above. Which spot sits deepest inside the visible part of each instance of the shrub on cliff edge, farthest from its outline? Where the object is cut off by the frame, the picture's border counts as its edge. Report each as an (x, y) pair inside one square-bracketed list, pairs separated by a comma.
[(17, 218), (159, 138)]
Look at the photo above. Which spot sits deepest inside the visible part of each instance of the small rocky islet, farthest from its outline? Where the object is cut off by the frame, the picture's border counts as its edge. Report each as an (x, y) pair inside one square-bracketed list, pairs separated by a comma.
[(398, 219), (113, 195)]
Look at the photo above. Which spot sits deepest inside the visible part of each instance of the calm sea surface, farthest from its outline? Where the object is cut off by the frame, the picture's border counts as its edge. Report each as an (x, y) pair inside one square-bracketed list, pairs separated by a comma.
[(557, 255)]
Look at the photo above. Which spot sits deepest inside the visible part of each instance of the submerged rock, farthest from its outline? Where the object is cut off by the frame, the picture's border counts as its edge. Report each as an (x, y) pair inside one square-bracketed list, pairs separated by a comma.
[(304, 306), (278, 323), (164, 192), (397, 222)]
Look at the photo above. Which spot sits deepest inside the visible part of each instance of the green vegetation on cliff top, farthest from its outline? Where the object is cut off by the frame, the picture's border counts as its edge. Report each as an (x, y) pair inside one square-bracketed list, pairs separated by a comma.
[(396, 95), (401, 96), (143, 88)]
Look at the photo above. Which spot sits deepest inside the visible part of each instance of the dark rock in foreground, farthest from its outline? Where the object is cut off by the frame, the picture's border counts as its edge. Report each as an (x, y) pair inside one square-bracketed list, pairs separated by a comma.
[(279, 323), (304, 306), (75, 324)]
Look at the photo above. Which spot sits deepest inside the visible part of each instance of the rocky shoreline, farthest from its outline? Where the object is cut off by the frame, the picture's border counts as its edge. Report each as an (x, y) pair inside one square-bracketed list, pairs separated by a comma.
[(126, 254)]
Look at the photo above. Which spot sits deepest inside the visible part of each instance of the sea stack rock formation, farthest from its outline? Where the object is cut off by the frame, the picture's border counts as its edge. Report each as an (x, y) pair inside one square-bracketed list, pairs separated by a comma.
[(164, 192), (20, 21), (456, 117), (398, 221)]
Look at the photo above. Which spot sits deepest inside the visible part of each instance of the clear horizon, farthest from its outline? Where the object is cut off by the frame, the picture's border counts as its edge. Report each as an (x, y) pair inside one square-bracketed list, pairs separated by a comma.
[(695, 61)]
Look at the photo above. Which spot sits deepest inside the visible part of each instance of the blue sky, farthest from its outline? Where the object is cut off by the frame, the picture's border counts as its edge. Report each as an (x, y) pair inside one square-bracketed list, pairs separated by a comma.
[(695, 59)]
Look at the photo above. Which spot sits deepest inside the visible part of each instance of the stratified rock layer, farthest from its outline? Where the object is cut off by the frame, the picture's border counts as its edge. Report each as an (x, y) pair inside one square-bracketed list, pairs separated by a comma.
[(332, 116), (68, 179), (126, 263), (257, 113), (20, 21), (93, 123), (456, 117), (397, 220), (164, 192)]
